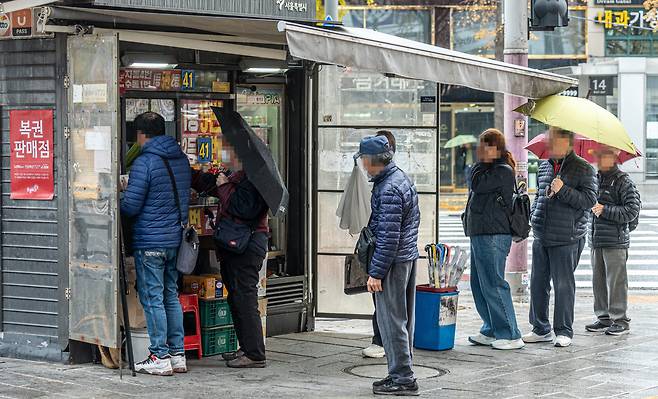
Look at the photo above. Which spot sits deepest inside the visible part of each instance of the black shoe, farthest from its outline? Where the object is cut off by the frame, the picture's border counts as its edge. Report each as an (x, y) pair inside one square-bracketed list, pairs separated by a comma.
[(391, 388), (379, 383), (228, 356), (597, 327), (617, 330)]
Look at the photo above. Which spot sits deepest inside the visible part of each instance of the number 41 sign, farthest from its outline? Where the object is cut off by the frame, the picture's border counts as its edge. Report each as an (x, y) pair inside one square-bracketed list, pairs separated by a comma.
[(601, 85)]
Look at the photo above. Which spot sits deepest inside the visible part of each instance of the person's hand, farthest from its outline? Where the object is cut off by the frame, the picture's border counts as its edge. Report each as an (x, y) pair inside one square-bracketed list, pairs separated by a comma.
[(374, 285), (221, 179), (556, 185), (597, 209)]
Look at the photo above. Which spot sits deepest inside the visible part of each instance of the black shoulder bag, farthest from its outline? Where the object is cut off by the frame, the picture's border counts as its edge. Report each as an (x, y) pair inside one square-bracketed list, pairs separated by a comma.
[(232, 236)]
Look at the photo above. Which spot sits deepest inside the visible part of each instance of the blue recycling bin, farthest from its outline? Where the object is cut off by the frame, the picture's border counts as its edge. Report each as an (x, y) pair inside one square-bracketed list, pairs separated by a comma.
[(436, 317)]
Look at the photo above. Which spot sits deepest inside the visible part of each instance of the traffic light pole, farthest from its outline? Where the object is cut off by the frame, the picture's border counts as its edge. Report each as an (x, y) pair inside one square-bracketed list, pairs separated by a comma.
[(516, 134)]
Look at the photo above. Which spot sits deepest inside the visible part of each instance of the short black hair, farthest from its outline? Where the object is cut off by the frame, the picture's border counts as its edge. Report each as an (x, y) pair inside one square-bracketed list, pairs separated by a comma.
[(150, 124), (563, 133), (389, 136)]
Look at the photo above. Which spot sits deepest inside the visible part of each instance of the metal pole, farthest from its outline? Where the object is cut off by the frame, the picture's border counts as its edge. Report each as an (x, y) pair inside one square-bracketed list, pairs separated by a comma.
[(331, 9), (516, 134)]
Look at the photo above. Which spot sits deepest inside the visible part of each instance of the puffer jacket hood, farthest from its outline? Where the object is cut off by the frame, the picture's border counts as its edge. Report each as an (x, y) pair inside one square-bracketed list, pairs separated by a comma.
[(563, 218), (149, 197), (621, 205), (394, 221)]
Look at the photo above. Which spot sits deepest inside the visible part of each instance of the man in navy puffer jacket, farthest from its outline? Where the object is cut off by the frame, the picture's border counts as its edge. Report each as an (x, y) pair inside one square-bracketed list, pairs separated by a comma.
[(157, 232), (394, 223), (560, 213)]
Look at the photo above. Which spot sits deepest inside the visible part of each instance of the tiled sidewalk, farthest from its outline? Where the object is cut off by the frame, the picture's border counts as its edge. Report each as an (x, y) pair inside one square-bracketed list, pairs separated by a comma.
[(317, 365)]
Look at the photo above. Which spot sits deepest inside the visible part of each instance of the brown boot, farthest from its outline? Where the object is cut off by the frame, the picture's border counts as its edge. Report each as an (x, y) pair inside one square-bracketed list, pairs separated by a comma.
[(228, 356), (243, 362)]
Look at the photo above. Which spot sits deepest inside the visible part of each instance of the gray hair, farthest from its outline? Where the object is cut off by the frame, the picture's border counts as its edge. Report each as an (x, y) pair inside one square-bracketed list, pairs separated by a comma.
[(381, 159)]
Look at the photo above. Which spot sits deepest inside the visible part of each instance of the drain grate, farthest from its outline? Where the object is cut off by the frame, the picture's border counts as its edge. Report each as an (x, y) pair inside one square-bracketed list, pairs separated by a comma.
[(378, 371)]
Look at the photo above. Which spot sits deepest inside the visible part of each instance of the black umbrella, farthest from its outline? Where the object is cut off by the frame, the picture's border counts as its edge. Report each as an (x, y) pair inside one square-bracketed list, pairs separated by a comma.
[(256, 159)]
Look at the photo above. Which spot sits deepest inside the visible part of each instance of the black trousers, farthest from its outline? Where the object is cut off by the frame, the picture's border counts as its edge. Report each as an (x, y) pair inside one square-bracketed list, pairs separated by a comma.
[(240, 276), (377, 337)]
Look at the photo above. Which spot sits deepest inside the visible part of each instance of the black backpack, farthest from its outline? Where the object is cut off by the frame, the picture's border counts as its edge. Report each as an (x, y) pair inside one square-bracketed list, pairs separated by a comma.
[(518, 214)]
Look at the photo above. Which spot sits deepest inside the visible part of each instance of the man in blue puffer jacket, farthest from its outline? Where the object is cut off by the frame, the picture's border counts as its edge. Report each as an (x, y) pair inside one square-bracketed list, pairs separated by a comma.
[(157, 232), (394, 223), (566, 194)]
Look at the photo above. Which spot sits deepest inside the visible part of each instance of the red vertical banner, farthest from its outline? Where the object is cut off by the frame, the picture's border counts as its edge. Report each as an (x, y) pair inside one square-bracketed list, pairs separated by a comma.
[(31, 146)]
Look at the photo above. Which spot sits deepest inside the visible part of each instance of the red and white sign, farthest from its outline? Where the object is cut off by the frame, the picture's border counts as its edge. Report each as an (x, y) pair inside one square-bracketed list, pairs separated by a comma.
[(31, 146), (5, 25), (21, 23)]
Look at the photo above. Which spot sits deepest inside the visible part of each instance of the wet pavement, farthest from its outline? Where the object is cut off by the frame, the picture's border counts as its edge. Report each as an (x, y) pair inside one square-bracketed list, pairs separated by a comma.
[(327, 363)]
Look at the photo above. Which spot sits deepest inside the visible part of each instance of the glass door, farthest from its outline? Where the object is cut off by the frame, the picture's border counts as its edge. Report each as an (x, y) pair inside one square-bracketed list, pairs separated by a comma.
[(93, 193), (262, 107)]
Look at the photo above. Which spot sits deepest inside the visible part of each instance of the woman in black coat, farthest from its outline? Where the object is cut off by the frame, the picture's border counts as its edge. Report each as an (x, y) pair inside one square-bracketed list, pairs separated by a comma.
[(487, 224)]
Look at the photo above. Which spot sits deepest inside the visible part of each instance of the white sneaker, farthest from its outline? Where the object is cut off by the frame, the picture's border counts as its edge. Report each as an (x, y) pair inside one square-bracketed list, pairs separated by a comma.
[(532, 338), (481, 339), (562, 341), (373, 351), (178, 363), (508, 344), (155, 366)]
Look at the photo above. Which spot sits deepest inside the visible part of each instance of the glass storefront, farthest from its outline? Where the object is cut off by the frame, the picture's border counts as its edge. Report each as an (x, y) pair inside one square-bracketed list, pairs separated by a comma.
[(651, 148)]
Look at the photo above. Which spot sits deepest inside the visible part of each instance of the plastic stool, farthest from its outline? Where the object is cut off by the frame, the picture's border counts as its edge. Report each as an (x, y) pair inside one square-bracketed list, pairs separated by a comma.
[(190, 304)]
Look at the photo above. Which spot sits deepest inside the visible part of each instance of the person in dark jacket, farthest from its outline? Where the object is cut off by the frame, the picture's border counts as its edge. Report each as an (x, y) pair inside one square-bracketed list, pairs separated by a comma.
[(157, 232), (392, 270), (618, 206), (376, 348), (560, 213), (488, 226), (240, 202)]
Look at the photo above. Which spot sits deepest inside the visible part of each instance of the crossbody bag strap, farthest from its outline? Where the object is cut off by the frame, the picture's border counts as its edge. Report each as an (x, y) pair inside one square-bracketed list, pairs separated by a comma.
[(173, 185)]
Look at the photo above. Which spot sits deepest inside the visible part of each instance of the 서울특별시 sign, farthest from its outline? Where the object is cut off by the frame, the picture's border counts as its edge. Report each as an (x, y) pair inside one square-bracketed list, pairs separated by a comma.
[(302, 10)]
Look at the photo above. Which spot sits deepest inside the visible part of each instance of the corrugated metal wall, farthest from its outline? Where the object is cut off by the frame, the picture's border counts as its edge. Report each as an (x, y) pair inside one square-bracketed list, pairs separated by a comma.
[(33, 251)]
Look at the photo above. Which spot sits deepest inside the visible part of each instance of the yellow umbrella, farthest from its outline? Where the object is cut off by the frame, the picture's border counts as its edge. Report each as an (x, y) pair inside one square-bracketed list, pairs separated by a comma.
[(581, 116)]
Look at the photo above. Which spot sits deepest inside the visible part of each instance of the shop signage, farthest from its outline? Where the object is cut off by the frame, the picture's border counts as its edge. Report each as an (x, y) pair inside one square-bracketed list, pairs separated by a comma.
[(187, 80), (199, 125), (204, 149), (31, 162), (630, 18), (149, 79), (277, 9), (570, 92), (259, 98), (20, 24), (601, 85), (618, 2)]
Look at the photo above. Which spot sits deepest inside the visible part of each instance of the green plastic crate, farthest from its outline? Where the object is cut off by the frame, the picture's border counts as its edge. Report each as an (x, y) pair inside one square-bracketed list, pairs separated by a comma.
[(215, 313), (218, 340)]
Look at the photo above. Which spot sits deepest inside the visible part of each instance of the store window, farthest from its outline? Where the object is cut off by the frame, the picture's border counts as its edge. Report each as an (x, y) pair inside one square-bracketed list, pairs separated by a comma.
[(409, 24), (634, 38), (651, 147), (567, 42), (474, 31), (354, 105)]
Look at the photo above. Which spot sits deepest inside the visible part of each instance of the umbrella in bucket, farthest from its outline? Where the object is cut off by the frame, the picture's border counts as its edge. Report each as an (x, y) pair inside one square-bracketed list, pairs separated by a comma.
[(446, 264), (257, 160)]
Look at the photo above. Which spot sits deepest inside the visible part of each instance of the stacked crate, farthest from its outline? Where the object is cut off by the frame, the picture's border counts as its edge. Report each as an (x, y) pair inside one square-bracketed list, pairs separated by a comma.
[(217, 332)]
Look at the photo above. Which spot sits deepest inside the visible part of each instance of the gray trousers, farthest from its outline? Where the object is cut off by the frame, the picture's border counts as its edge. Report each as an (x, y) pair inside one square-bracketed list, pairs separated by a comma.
[(556, 264), (395, 317), (610, 285)]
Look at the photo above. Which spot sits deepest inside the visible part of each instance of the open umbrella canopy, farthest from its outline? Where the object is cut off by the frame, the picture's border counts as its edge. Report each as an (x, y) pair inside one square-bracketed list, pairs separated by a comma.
[(582, 146), (256, 158), (582, 116), (462, 139)]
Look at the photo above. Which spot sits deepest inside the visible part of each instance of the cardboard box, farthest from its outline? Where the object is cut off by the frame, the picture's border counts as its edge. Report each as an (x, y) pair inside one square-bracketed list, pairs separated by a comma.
[(203, 286), (220, 288), (262, 306), (135, 311)]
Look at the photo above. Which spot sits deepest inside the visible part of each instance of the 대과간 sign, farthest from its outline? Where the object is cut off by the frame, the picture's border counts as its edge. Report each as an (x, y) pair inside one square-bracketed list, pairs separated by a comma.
[(31, 162)]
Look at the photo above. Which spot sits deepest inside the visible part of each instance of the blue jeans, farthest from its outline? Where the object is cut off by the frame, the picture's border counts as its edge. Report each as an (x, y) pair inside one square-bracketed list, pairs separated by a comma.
[(396, 306), (491, 293), (157, 286)]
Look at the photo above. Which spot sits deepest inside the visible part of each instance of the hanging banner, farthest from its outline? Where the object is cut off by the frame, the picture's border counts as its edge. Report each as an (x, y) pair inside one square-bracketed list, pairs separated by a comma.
[(31, 162)]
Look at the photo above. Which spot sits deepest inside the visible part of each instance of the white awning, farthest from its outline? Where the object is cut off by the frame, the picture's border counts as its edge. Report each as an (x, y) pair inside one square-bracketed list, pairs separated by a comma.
[(365, 49)]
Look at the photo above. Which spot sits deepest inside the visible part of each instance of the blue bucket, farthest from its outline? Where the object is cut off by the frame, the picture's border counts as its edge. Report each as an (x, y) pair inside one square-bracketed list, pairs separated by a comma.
[(436, 318)]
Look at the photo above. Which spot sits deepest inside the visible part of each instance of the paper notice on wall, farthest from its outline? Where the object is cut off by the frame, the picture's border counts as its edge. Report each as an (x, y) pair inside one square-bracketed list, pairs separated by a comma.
[(134, 107), (77, 94), (94, 93), (99, 140)]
